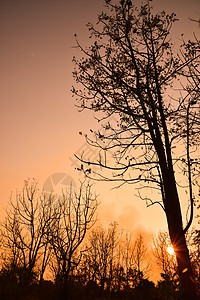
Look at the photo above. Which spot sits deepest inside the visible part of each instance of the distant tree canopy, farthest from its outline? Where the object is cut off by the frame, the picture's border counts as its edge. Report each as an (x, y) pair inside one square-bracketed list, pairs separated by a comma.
[(45, 236), (132, 73)]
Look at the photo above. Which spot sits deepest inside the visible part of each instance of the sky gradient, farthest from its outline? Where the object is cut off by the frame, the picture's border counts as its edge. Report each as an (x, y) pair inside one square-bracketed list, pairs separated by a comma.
[(40, 125)]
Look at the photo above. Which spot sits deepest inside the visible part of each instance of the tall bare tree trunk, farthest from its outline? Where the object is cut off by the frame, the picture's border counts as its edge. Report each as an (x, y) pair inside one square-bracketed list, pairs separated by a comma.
[(177, 236)]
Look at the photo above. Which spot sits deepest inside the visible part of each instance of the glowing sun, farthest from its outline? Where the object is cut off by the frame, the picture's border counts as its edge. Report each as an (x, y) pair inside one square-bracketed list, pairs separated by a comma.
[(170, 250)]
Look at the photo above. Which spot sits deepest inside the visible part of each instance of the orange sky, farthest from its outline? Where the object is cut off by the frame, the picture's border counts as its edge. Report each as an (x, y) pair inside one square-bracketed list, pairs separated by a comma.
[(39, 123)]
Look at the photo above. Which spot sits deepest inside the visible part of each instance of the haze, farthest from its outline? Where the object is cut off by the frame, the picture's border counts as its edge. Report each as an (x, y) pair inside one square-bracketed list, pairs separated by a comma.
[(40, 125)]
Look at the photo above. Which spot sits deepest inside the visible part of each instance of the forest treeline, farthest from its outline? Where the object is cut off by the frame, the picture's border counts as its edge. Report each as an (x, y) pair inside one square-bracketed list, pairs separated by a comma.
[(51, 248)]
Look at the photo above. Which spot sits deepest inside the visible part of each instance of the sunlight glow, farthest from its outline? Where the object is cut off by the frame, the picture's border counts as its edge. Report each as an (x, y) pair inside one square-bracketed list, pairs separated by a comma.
[(185, 270), (170, 250)]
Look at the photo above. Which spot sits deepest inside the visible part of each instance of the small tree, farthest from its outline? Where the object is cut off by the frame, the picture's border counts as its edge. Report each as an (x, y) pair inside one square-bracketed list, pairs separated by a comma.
[(113, 260), (132, 265), (141, 265), (169, 284), (24, 231), (127, 73), (100, 257), (74, 215), (166, 260), (194, 246)]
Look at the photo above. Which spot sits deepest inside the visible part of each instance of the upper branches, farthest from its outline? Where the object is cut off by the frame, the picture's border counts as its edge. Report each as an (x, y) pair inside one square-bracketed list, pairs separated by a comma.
[(126, 75)]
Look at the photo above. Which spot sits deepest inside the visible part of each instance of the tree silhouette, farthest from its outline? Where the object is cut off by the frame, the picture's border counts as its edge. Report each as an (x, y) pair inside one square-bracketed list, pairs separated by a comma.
[(132, 264), (168, 264), (165, 260), (113, 261), (128, 73), (74, 215), (194, 247), (24, 231), (100, 257)]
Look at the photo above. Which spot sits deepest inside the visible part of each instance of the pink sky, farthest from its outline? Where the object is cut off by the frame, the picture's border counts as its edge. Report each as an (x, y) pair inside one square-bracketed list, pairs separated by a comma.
[(39, 123)]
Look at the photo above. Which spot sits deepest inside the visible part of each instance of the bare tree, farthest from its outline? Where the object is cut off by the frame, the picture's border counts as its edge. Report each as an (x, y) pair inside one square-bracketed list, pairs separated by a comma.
[(74, 215), (113, 260), (133, 265), (100, 257), (193, 240), (128, 73), (24, 231), (141, 263), (165, 260)]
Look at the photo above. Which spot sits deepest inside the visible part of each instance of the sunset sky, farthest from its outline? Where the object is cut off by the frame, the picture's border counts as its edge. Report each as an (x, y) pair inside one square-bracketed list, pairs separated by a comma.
[(39, 124)]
